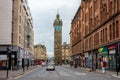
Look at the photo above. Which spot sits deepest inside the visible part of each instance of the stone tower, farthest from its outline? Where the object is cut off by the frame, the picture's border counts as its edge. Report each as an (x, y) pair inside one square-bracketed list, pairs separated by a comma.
[(58, 40)]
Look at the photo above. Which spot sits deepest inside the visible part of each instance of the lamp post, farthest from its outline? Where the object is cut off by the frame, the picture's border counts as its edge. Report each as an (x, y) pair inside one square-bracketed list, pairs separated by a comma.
[(23, 59), (118, 59), (64, 55), (8, 52)]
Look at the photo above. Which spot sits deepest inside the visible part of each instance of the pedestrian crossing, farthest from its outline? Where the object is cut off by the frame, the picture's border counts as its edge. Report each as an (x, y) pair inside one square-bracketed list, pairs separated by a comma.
[(66, 72)]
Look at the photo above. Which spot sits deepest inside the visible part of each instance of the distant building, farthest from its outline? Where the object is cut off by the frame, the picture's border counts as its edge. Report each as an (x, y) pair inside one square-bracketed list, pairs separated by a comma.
[(65, 53), (40, 52), (16, 32)]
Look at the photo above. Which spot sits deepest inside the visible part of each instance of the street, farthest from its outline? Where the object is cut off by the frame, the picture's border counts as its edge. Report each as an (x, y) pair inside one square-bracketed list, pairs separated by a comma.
[(62, 73)]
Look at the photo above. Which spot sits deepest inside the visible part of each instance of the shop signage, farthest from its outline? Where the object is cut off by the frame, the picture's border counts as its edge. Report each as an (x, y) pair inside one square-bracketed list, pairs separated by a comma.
[(3, 57), (112, 47), (102, 51), (118, 48), (112, 51), (86, 54)]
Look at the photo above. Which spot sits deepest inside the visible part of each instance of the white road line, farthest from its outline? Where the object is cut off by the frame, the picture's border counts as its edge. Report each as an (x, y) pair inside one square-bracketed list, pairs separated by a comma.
[(60, 73), (116, 76)]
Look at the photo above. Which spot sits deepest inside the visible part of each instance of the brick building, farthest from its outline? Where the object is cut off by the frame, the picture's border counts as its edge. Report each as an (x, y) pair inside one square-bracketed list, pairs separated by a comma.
[(95, 32), (16, 32)]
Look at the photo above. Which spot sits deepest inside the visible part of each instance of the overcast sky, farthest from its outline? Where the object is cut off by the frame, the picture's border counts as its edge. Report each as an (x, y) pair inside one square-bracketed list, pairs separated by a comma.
[(44, 13)]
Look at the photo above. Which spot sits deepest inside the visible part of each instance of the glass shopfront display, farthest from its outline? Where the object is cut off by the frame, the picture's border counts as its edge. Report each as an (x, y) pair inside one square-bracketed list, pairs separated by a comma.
[(112, 60), (3, 60), (103, 57)]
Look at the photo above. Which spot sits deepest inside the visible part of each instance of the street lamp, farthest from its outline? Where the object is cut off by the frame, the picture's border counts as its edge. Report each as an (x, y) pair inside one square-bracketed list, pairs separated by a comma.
[(64, 55), (23, 59), (8, 52)]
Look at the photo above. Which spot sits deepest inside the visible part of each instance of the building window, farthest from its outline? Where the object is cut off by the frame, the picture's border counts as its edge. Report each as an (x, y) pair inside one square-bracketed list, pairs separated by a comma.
[(110, 32), (86, 43), (117, 29), (20, 19), (20, 8), (96, 4), (101, 37), (19, 29), (97, 38), (114, 30), (118, 4), (105, 34), (19, 40), (90, 42)]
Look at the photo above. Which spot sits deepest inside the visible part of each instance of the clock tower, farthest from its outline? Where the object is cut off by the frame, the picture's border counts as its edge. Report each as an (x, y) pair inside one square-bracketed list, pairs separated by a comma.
[(58, 40)]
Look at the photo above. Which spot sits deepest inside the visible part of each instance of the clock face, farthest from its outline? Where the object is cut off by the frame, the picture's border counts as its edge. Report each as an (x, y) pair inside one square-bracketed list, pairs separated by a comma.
[(58, 28)]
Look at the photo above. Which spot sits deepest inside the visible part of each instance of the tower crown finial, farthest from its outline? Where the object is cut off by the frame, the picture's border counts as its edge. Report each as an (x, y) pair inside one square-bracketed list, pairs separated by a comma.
[(57, 21), (57, 16)]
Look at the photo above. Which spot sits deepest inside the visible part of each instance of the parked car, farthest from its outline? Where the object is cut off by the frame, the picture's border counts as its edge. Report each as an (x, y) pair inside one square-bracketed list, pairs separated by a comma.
[(50, 67)]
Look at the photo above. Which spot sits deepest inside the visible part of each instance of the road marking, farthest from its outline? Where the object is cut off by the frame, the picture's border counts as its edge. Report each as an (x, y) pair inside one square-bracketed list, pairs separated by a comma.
[(73, 73), (79, 74), (60, 73), (116, 76), (25, 73)]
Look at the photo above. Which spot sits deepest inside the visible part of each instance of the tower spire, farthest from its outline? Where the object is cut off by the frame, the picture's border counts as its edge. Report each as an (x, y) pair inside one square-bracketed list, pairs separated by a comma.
[(57, 16)]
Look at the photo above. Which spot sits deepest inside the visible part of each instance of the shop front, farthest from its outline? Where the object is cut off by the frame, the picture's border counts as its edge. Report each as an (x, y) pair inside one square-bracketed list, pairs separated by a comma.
[(103, 57), (90, 59), (95, 59), (86, 60), (112, 57), (76, 60), (3, 60)]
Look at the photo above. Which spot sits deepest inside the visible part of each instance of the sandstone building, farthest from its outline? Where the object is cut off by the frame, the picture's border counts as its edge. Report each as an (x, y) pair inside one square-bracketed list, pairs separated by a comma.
[(16, 32)]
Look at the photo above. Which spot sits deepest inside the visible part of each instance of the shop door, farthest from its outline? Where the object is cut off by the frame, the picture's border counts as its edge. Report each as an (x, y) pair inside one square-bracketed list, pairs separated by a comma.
[(112, 62)]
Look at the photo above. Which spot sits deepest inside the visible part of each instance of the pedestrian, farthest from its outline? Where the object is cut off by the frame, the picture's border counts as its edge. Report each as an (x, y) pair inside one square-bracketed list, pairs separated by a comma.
[(75, 64), (103, 67), (27, 63), (23, 64)]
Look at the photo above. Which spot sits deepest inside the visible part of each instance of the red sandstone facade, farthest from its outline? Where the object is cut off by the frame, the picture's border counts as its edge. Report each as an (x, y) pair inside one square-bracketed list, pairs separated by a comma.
[(96, 25)]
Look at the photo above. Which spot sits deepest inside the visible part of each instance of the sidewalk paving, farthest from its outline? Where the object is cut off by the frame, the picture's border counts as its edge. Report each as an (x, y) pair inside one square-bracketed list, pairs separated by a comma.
[(14, 73), (109, 73)]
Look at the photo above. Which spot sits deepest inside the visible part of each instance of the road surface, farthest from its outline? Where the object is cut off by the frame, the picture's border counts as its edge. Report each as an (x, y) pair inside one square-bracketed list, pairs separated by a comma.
[(62, 73)]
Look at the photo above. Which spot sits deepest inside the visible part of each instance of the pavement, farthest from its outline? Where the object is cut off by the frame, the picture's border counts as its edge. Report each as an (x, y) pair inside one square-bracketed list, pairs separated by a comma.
[(109, 73), (14, 73)]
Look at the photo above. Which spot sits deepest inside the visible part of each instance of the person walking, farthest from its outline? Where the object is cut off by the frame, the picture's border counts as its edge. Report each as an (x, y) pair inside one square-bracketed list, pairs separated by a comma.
[(27, 63)]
